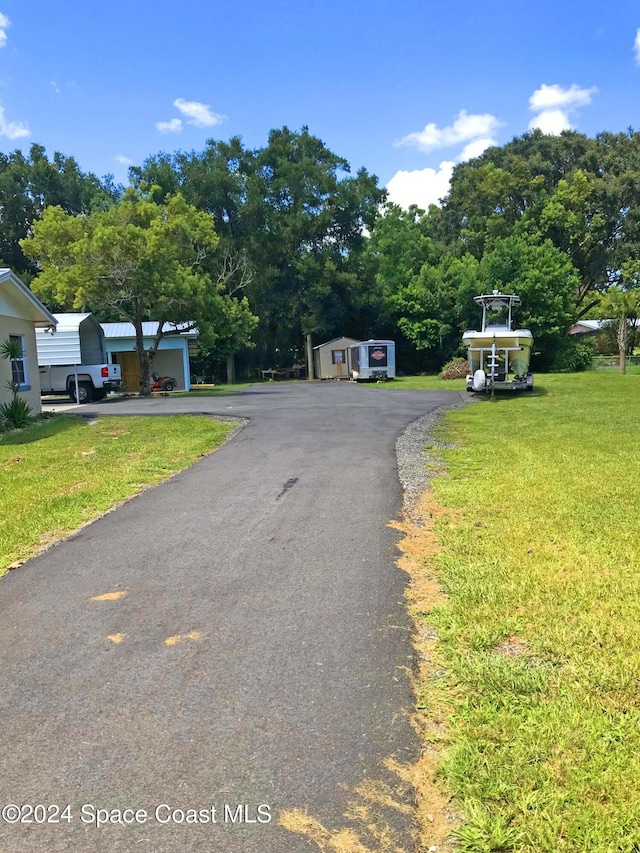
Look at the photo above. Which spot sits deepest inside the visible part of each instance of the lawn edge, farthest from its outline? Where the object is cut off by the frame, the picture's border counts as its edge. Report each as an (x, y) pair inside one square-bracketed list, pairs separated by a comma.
[(241, 423)]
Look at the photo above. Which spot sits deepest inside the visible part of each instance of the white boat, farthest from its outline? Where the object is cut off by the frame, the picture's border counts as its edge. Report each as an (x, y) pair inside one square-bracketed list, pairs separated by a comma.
[(498, 355)]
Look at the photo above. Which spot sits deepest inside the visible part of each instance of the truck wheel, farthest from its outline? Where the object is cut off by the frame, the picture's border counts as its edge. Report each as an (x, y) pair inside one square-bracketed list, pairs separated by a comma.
[(85, 392)]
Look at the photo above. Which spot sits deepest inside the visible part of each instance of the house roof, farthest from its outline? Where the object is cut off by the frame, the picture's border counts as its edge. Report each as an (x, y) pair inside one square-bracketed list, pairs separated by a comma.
[(592, 325), (149, 330), (333, 341), (586, 327), (38, 314)]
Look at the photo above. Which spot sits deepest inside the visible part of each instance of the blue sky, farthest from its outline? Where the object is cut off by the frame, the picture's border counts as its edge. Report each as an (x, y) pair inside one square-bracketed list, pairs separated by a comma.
[(401, 87)]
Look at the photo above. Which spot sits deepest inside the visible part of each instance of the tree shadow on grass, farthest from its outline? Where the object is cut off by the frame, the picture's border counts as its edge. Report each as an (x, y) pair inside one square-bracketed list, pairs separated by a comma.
[(41, 429)]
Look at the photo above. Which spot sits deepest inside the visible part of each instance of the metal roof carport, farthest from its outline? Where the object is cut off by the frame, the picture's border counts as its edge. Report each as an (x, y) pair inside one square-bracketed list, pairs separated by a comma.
[(172, 357)]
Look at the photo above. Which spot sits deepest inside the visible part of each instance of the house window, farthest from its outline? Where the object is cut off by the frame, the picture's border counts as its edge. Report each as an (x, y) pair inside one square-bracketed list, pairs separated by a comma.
[(19, 372)]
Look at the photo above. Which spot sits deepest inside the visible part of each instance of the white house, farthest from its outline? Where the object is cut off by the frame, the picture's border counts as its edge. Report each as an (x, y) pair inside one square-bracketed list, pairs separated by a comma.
[(20, 314), (172, 358)]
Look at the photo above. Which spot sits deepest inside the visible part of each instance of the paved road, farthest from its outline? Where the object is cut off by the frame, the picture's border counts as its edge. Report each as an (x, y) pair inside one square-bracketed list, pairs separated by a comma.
[(272, 562)]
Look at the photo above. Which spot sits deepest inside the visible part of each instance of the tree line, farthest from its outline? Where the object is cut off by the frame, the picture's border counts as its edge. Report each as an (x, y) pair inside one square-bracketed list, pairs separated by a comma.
[(264, 248)]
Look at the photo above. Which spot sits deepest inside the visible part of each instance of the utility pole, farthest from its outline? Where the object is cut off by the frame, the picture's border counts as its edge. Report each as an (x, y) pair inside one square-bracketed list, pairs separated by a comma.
[(310, 375)]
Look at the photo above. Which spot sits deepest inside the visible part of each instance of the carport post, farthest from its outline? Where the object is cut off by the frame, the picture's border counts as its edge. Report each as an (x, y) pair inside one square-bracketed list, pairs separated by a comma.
[(309, 358), (75, 371)]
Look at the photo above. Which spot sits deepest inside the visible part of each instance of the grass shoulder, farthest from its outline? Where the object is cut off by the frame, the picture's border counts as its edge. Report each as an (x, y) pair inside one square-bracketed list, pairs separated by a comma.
[(538, 652), (60, 473), (212, 390), (422, 383)]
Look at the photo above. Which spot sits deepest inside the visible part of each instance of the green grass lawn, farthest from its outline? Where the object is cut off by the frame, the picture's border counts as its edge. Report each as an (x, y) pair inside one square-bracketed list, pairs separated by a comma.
[(60, 473), (421, 383), (538, 669)]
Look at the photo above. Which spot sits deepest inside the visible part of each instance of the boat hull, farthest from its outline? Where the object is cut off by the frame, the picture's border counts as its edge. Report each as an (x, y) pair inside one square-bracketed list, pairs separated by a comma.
[(503, 355)]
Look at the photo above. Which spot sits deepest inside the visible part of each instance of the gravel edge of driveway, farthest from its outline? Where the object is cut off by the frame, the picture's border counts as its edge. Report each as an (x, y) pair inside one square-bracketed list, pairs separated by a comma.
[(415, 462)]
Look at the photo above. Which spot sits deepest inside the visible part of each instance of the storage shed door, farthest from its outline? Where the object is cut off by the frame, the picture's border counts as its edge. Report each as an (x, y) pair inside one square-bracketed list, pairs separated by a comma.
[(130, 367)]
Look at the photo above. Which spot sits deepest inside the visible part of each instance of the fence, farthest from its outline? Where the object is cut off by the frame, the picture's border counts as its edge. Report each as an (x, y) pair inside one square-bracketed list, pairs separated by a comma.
[(606, 363)]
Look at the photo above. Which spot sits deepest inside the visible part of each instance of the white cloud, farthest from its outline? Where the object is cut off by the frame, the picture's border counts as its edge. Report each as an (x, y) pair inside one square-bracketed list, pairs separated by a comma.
[(551, 122), (636, 47), (4, 23), (198, 114), (427, 186), (12, 129), (464, 129), (475, 149), (422, 187), (124, 161), (173, 126), (553, 97), (555, 106), (55, 86)]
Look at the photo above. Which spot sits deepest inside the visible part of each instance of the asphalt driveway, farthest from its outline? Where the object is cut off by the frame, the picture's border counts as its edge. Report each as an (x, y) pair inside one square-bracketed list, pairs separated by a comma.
[(252, 649)]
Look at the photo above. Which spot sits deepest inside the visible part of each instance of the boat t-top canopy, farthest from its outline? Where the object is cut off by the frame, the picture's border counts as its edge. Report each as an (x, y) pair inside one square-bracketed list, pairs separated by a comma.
[(496, 303)]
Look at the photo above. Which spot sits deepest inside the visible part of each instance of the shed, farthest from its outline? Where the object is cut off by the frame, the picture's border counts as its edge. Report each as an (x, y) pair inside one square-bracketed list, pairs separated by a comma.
[(171, 359), (21, 315), (332, 360), (79, 339)]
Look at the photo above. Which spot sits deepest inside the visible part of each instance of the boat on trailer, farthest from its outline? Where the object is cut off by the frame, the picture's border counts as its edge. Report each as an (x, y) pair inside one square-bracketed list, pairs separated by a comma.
[(498, 355)]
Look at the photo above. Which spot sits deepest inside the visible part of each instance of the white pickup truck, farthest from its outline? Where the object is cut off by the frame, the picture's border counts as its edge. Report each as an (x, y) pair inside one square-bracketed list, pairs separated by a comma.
[(76, 348), (94, 380)]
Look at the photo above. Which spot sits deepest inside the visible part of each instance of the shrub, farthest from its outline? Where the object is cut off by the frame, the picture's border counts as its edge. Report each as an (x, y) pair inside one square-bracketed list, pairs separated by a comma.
[(455, 369), (574, 356), (16, 414)]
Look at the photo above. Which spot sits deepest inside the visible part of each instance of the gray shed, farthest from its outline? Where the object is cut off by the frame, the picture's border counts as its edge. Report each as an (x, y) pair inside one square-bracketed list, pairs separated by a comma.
[(332, 360), (78, 339)]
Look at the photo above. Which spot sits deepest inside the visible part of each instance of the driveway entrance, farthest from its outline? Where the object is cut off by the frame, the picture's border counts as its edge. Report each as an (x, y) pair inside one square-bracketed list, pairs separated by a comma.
[(234, 637)]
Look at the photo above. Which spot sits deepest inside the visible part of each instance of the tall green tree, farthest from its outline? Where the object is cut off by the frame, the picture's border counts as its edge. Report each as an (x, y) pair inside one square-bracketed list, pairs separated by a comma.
[(140, 260), (309, 246), (417, 287), (581, 193), (215, 180), (291, 217), (546, 282), (29, 184), (577, 220)]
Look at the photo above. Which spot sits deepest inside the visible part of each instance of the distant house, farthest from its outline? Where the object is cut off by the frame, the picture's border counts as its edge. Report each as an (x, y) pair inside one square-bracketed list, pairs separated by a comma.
[(588, 327), (172, 358), (332, 360), (604, 332), (20, 314)]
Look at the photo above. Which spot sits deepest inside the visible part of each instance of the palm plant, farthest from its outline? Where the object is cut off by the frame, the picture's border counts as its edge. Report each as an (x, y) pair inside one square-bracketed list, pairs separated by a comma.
[(17, 412)]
